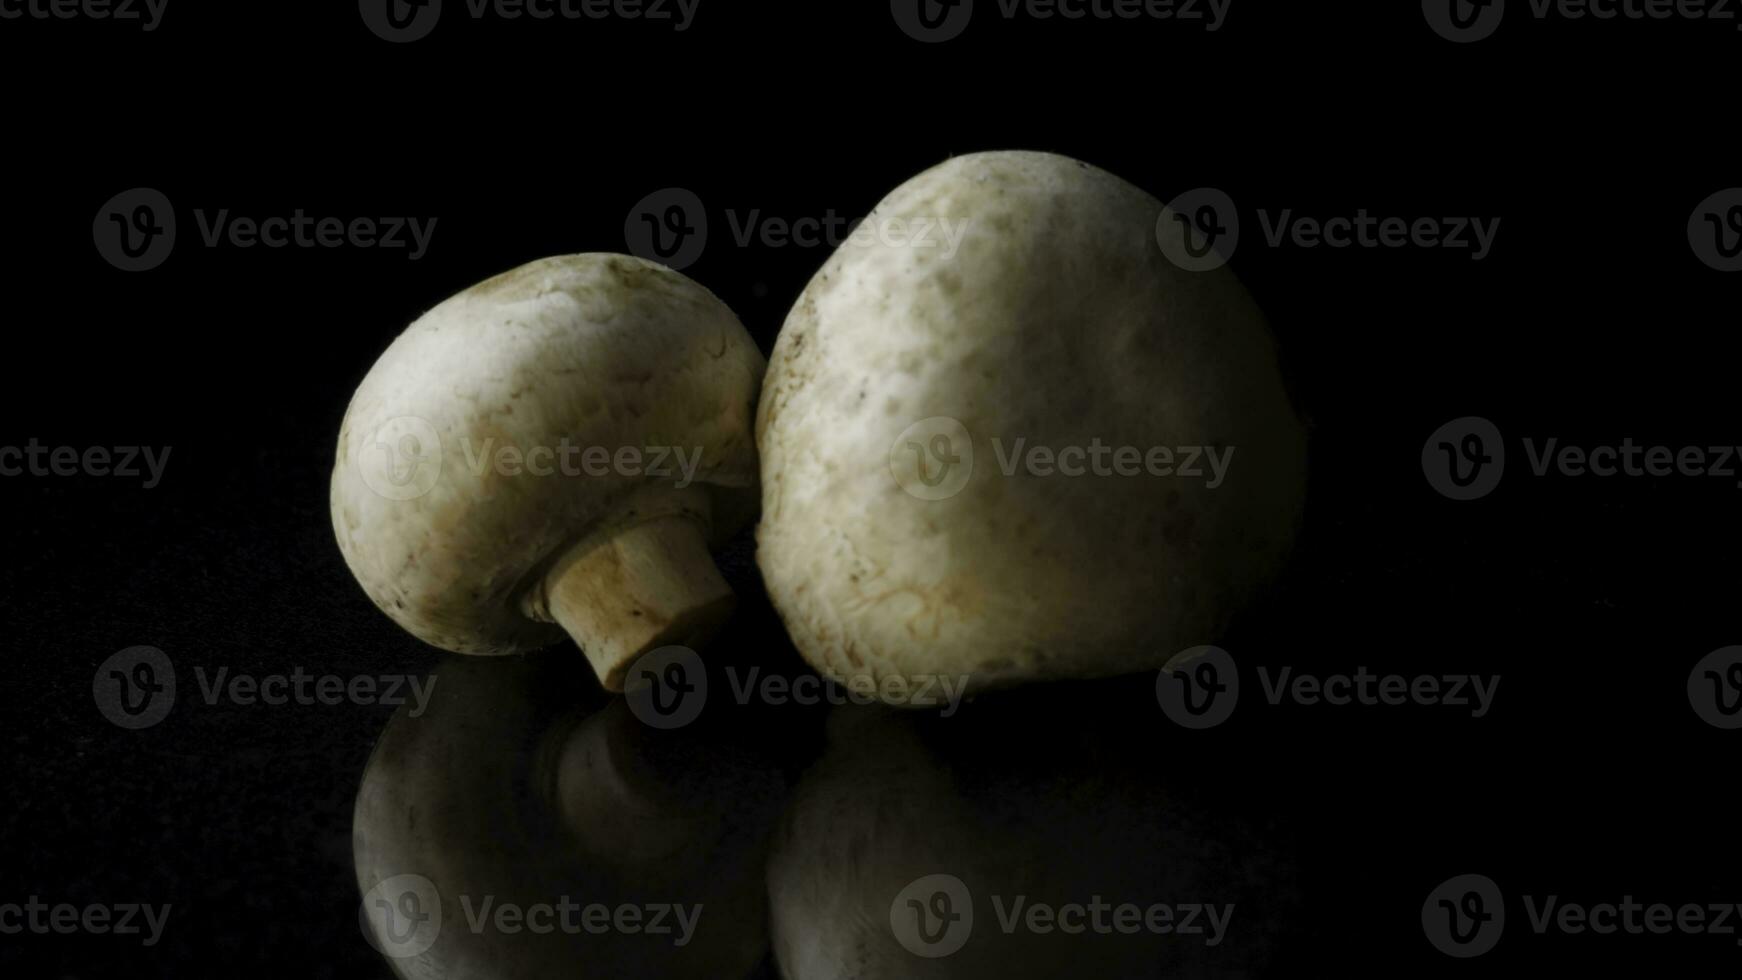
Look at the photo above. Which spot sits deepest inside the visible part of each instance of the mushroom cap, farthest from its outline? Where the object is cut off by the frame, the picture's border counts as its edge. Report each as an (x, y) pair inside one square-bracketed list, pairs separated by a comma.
[(445, 531), (1057, 321)]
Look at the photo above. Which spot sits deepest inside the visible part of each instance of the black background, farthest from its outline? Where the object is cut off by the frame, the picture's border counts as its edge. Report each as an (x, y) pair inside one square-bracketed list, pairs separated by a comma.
[(1591, 321)]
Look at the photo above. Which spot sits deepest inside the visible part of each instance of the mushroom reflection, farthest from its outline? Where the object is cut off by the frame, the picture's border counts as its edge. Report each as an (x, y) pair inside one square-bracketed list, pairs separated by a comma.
[(1005, 844), (523, 826)]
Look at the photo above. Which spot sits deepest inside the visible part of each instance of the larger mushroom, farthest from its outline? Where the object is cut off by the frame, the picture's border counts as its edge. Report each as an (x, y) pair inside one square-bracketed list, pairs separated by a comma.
[(554, 450), (990, 437)]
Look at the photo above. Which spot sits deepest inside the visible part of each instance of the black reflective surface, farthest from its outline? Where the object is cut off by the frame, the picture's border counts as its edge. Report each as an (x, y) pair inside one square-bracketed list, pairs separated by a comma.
[(262, 827)]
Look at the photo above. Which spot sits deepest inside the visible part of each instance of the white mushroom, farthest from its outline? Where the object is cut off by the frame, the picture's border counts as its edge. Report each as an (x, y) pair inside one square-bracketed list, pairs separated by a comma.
[(1005, 317), (554, 449)]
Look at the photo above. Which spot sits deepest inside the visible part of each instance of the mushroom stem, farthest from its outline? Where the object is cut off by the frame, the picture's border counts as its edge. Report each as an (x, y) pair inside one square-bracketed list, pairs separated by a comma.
[(647, 586)]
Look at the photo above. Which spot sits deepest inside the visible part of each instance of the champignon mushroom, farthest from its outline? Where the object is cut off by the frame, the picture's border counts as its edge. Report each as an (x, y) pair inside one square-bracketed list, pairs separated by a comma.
[(995, 457), (554, 449)]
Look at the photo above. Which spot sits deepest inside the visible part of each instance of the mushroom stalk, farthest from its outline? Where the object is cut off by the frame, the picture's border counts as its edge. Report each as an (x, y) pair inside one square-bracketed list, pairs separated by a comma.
[(637, 589)]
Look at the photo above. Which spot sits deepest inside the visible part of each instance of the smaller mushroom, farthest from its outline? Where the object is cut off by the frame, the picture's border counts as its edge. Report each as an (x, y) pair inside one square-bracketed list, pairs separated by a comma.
[(554, 450)]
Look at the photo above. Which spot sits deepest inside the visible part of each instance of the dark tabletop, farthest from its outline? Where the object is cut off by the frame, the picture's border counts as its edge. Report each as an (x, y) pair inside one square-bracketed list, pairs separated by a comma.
[(1591, 778)]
